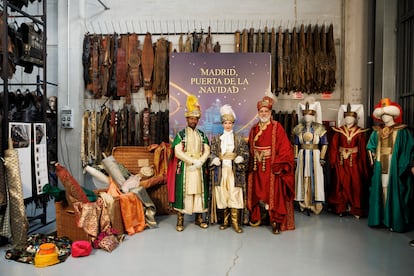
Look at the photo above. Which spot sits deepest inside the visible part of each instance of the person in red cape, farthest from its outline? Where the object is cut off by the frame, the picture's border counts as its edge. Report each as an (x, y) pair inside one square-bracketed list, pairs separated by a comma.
[(271, 180)]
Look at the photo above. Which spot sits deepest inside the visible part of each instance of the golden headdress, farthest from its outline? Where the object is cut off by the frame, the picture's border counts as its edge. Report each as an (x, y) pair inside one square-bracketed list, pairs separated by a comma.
[(193, 108), (227, 113), (354, 110), (310, 106), (386, 106)]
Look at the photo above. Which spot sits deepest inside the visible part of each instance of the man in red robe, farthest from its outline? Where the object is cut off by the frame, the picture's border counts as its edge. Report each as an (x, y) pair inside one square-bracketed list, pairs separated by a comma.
[(271, 180)]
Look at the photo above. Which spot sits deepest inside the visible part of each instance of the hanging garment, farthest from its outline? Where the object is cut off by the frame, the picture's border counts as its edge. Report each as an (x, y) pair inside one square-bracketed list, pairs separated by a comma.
[(160, 74), (266, 40), (294, 60), (318, 77), (86, 54), (244, 41), (273, 59), (310, 60), (134, 63), (181, 44), (259, 41), (324, 60), (302, 59), (331, 59), (147, 67), (94, 67), (287, 72), (209, 42), (121, 68), (237, 42), (280, 63)]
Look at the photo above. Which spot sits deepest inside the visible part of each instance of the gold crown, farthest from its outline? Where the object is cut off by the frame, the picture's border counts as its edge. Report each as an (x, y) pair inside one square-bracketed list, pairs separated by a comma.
[(349, 112), (308, 111)]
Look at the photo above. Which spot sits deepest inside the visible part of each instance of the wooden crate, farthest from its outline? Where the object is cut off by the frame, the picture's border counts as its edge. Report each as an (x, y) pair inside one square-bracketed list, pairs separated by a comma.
[(131, 157)]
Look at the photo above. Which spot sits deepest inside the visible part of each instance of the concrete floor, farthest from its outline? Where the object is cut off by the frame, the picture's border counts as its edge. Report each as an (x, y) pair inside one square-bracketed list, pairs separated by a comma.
[(320, 245)]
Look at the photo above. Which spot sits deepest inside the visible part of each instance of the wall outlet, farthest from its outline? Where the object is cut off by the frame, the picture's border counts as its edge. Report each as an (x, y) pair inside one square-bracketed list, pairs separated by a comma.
[(66, 117)]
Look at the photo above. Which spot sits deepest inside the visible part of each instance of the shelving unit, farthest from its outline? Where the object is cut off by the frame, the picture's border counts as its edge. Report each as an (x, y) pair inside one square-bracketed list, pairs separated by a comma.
[(40, 82)]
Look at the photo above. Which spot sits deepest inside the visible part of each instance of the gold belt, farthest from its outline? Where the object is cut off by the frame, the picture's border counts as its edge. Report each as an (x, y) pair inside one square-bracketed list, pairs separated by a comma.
[(261, 154), (196, 155), (385, 150), (228, 156), (309, 146), (346, 152)]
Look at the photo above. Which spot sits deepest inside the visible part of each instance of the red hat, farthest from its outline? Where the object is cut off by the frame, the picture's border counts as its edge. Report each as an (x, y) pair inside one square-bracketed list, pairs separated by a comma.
[(386, 106), (81, 248), (265, 102)]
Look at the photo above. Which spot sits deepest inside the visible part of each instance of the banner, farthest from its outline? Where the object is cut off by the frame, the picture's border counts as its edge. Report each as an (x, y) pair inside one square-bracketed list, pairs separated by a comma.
[(237, 79)]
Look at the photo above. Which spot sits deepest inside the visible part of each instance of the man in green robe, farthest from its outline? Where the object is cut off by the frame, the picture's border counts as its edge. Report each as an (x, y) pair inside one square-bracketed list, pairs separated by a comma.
[(188, 184)]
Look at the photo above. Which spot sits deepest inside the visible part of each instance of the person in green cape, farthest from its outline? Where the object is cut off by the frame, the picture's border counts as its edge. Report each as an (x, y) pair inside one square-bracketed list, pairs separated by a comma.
[(187, 178)]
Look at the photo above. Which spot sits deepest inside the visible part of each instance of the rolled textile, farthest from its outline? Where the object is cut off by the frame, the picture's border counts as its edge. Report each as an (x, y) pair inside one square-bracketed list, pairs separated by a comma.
[(74, 191), (99, 179), (19, 223), (112, 168)]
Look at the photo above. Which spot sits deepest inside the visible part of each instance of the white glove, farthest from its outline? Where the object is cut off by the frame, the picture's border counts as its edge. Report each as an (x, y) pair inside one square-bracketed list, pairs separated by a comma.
[(191, 168), (238, 159), (216, 161), (197, 164)]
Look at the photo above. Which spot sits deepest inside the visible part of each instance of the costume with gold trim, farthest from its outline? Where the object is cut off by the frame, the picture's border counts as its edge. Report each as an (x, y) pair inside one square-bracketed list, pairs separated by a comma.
[(350, 174), (392, 149)]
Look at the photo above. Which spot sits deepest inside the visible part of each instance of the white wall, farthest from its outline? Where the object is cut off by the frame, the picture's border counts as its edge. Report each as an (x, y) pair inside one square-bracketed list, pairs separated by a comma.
[(76, 17)]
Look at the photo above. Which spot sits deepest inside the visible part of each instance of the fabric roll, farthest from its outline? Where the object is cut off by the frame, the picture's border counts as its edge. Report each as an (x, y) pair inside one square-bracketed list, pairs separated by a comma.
[(112, 168), (18, 221), (100, 180)]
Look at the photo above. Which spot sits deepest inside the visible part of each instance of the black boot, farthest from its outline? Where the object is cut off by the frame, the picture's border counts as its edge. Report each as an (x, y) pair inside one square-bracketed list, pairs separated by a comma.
[(275, 228)]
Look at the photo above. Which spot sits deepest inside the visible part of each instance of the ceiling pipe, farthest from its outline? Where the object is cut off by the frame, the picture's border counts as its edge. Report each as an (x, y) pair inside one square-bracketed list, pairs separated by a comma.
[(106, 7)]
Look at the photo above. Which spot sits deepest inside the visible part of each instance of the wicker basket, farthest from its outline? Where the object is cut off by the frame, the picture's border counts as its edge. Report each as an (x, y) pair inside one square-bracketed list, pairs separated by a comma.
[(66, 221), (130, 157)]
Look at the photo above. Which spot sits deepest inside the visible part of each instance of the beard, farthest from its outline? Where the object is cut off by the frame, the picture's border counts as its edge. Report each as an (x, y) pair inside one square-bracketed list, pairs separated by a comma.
[(264, 119)]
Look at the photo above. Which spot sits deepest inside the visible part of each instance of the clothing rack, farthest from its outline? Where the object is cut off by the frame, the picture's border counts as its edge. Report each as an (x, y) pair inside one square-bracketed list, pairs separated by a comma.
[(177, 27)]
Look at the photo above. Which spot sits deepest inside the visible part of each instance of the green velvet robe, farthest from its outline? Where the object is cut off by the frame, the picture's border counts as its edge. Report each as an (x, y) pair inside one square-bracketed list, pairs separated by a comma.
[(178, 202), (395, 214)]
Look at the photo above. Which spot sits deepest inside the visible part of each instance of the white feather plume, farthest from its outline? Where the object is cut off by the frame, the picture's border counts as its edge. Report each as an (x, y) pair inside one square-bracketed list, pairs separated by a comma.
[(226, 109)]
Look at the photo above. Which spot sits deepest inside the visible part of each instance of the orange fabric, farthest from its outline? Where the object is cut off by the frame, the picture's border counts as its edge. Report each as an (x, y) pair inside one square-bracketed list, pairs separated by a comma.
[(132, 213), (132, 210)]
